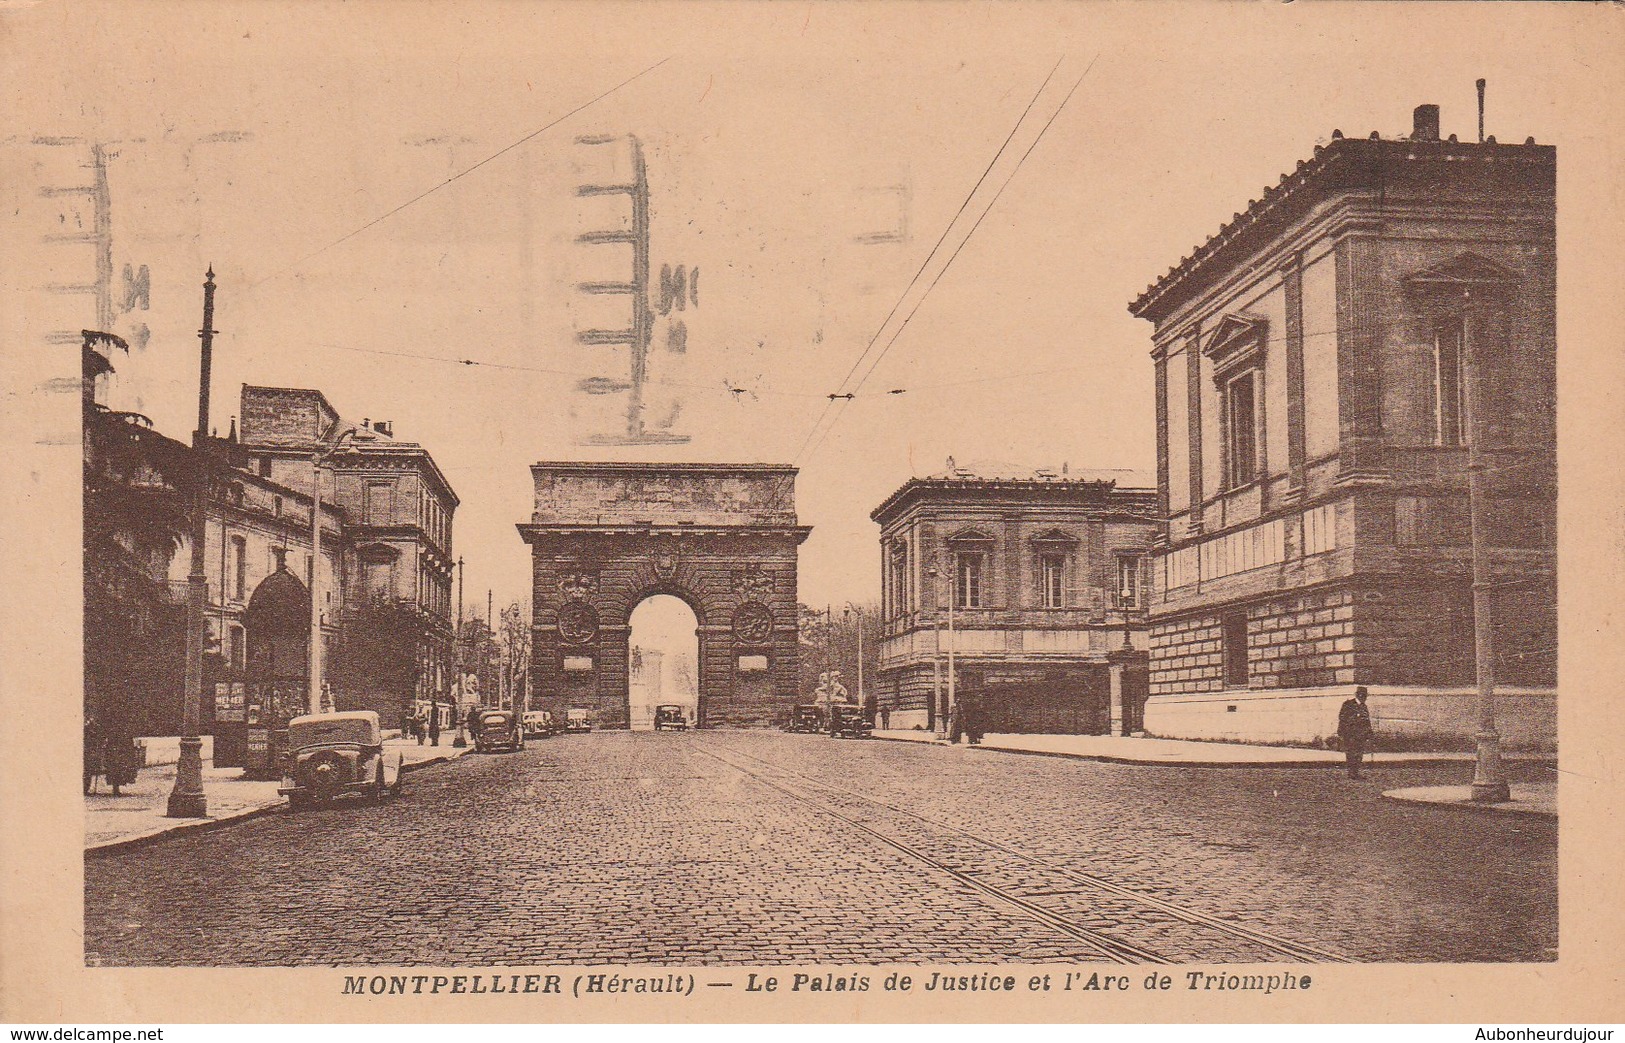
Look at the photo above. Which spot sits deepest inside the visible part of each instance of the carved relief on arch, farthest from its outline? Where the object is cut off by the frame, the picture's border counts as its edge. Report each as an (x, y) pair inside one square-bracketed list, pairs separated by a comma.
[(578, 584), (753, 624), (578, 622), (665, 559), (752, 583)]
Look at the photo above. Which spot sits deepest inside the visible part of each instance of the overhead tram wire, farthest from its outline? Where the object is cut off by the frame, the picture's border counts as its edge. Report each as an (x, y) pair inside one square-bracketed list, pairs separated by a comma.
[(575, 374), (458, 176), (731, 388), (951, 258), (830, 403)]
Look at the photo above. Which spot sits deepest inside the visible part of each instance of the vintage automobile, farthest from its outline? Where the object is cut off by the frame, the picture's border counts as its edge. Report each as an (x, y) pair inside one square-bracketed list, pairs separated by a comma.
[(538, 724), (334, 753), (670, 717), (848, 721), (806, 717), (577, 719), (498, 730)]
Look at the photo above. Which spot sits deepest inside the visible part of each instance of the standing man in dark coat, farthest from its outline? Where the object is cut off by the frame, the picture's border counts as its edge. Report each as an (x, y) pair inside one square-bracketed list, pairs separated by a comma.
[(970, 707), (1354, 728), (434, 723)]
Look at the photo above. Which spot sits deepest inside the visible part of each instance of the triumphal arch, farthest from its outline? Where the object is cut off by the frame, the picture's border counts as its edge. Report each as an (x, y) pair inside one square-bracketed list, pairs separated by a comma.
[(722, 537)]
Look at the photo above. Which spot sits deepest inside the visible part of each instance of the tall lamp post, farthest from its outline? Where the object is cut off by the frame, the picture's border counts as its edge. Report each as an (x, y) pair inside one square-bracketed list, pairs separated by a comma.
[(186, 799), (942, 719), (317, 459), (1489, 776), (852, 609), (461, 741)]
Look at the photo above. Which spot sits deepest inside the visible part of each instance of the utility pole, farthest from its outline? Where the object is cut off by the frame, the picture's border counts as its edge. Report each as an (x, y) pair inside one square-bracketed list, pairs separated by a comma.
[(953, 590), (852, 609), (186, 799), (457, 663), (318, 457), (1489, 776), (945, 711), (458, 643), (829, 646)]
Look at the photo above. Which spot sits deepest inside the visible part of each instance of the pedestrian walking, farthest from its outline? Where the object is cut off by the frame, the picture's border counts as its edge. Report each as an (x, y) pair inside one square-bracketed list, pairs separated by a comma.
[(1354, 728), (120, 758), (434, 723), (885, 718), (420, 727), (93, 751)]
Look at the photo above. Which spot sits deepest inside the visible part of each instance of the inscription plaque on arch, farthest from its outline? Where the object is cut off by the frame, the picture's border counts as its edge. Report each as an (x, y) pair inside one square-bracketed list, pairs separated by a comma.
[(721, 537)]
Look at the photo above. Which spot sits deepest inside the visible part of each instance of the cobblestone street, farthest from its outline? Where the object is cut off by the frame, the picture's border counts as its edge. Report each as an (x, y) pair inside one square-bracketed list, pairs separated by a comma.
[(763, 848)]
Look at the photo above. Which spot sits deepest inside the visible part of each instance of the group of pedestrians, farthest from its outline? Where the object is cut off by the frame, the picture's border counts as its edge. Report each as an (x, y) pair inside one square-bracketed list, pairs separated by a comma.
[(424, 724)]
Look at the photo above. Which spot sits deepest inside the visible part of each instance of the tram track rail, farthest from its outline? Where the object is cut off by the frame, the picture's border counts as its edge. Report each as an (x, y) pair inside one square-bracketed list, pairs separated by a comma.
[(829, 798)]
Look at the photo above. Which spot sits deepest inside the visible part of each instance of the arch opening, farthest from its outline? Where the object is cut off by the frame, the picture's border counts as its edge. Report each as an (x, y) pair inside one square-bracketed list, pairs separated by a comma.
[(663, 660)]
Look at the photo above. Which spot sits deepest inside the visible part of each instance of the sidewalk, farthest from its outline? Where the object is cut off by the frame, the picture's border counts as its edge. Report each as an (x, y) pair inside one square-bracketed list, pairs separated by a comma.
[(138, 814), (1125, 749), (1529, 798)]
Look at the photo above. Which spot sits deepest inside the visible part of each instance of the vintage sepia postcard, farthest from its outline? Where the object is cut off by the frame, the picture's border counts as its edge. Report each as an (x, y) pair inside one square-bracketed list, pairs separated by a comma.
[(822, 512)]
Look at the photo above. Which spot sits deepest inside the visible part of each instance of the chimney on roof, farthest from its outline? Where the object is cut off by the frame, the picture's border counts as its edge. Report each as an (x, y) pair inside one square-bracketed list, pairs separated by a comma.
[(1425, 123), (384, 427)]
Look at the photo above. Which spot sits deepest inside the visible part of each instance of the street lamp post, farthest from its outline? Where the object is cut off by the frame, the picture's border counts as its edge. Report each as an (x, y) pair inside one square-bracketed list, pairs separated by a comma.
[(461, 741), (317, 459), (942, 722), (852, 609), (1489, 776), (186, 798)]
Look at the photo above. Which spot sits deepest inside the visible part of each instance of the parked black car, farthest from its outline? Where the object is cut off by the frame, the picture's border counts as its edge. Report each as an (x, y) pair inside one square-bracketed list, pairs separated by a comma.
[(848, 721), (498, 730)]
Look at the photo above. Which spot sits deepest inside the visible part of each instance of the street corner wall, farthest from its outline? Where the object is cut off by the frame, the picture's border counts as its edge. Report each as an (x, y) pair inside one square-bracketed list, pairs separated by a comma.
[(1403, 718)]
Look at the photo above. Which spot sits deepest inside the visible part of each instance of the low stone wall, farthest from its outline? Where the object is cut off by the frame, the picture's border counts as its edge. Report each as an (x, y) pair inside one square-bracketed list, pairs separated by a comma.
[(166, 749), (907, 720), (1410, 718)]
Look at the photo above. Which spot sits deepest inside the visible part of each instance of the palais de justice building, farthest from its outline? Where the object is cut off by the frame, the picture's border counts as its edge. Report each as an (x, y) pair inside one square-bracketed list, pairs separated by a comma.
[(1314, 408), (1047, 571)]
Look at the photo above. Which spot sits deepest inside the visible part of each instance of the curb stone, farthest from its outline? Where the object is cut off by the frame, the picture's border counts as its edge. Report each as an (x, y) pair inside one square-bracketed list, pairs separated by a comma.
[(1471, 807), (1158, 762), (206, 824)]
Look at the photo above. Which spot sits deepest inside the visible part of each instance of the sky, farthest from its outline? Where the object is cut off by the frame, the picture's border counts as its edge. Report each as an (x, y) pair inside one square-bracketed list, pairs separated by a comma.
[(384, 191)]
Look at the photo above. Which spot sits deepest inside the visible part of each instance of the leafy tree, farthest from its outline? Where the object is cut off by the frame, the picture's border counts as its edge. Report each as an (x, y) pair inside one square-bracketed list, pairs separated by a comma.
[(830, 641), (138, 490), (375, 663), (514, 638)]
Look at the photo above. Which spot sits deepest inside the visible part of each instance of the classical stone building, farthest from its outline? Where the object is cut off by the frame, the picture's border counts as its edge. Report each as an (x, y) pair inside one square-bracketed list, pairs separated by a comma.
[(1048, 580), (721, 537), (396, 507), (257, 528), (1314, 405)]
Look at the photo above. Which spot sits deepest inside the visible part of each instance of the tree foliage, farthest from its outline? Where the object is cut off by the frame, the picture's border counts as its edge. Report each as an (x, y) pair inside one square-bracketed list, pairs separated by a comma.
[(137, 490), (375, 662)]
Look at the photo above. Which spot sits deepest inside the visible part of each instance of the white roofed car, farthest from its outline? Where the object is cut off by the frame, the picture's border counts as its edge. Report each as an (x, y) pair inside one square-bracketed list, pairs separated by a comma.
[(330, 754)]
